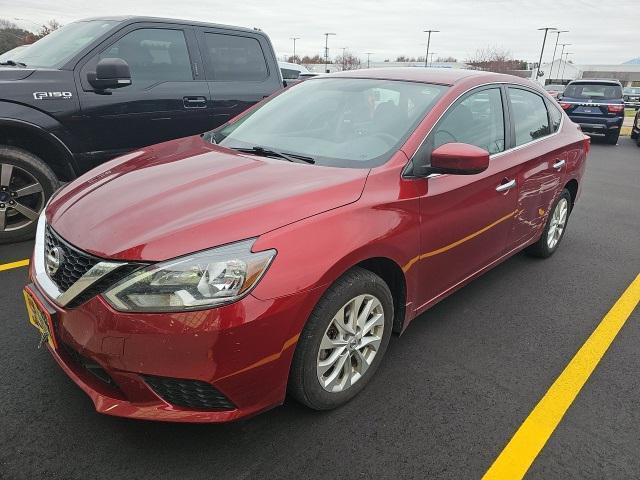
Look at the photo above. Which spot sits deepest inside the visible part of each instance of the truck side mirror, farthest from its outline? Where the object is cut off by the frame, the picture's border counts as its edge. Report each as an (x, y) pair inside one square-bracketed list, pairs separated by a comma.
[(110, 73)]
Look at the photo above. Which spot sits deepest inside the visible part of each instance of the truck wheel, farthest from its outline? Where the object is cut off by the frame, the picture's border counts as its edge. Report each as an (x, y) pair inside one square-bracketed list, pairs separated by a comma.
[(26, 183), (612, 138)]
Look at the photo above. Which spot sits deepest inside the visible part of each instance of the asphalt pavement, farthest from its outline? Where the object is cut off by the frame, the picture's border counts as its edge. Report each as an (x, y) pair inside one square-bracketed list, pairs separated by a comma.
[(450, 394)]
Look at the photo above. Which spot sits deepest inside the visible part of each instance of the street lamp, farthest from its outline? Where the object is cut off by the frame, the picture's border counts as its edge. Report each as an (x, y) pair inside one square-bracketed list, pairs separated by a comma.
[(429, 32), (544, 40), (294, 47), (566, 57), (554, 51), (561, 54), (344, 49), (326, 51), (368, 58)]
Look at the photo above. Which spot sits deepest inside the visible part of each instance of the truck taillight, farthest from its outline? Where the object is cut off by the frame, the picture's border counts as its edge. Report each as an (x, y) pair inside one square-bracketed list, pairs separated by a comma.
[(615, 108), (565, 105)]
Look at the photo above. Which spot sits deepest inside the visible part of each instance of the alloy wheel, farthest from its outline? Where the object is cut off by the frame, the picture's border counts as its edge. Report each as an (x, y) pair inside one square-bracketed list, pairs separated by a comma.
[(350, 343), (21, 198), (558, 222)]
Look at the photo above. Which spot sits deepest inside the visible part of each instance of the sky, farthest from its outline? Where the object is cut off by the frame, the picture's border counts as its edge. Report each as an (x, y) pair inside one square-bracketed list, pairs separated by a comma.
[(600, 31)]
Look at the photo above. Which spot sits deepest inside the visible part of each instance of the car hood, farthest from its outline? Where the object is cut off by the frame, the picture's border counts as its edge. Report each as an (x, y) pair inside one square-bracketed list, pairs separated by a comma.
[(188, 195)]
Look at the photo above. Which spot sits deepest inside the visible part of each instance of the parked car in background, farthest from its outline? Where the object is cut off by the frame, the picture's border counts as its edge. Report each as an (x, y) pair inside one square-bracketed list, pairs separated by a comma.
[(596, 105), (554, 90), (291, 72), (98, 88), (635, 129), (631, 96), (200, 279)]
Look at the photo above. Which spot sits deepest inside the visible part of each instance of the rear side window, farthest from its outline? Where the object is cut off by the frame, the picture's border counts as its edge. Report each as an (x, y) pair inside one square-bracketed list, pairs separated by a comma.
[(234, 58), (593, 91), (556, 118), (477, 120), (529, 115), (154, 55)]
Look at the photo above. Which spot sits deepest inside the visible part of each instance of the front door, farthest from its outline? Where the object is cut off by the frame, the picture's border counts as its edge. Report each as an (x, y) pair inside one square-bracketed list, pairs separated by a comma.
[(166, 99), (466, 219)]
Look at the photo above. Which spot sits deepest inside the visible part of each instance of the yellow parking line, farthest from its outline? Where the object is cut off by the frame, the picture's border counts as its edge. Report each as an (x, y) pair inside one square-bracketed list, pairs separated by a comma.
[(9, 266), (524, 447)]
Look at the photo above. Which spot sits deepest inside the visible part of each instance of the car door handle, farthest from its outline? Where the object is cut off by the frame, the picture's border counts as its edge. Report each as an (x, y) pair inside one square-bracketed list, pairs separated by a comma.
[(559, 164), (503, 187), (194, 102)]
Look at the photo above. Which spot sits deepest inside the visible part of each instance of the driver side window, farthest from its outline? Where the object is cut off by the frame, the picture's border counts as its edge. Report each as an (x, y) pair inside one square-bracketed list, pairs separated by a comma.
[(477, 120)]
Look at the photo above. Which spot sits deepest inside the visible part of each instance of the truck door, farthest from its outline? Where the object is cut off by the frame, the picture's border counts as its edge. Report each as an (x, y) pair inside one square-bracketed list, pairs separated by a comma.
[(168, 98)]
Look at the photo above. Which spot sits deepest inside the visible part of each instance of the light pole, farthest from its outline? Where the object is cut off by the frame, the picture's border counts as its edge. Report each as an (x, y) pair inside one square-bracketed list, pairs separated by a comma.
[(561, 54), (566, 57), (544, 40), (344, 49), (368, 58), (428, 32), (554, 51), (326, 51), (294, 48), (431, 59)]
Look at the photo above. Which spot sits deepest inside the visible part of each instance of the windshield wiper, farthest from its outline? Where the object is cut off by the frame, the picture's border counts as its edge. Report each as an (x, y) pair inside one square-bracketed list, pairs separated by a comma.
[(266, 152), (13, 63)]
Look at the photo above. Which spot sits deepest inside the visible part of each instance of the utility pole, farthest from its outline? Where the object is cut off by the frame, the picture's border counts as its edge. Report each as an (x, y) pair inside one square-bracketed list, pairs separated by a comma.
[(368, 58), (429, 32), (566, 58), (561, 54), (294, 48), (326, 51), (554, 51), (544, 40)]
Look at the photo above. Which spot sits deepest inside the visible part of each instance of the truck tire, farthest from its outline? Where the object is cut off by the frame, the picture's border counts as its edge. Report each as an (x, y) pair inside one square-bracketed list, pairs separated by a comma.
[(26, 184), (612, 137)]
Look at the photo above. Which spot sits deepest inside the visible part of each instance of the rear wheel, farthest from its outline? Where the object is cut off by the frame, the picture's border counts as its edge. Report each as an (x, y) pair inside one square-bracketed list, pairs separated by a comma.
[(343, 342), (554, 229), (612, 137), (26, 183)]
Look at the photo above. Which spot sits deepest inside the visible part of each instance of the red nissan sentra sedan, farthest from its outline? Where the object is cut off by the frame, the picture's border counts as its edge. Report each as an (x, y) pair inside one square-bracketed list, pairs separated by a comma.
[(202, 279)]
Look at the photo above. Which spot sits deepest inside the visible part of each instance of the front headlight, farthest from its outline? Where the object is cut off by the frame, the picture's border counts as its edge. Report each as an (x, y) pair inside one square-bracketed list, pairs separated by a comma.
[(200, 280)]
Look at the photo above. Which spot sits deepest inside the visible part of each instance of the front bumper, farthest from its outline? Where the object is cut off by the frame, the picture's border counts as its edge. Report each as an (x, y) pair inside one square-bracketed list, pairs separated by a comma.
[(130, 364)]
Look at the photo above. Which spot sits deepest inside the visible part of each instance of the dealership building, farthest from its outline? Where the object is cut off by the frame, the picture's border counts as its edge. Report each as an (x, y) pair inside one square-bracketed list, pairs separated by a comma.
[(563, 72)]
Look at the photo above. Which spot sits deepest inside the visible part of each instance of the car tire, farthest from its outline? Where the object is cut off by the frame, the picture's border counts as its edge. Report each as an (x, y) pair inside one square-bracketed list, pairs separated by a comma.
[(557, 219), (309, 367), (634, 135), (612, 138), (19, 210)]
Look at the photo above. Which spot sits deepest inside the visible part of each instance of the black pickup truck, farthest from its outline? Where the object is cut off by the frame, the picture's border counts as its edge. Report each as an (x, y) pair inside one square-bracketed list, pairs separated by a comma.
[(101, 87)]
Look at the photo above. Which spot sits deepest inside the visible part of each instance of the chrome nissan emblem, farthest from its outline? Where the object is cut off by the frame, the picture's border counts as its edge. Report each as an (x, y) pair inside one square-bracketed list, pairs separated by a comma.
[(54, 260)]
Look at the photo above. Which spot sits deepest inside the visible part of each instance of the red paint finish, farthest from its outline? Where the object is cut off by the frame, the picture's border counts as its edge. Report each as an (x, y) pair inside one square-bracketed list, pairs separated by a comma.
[(186, 195)]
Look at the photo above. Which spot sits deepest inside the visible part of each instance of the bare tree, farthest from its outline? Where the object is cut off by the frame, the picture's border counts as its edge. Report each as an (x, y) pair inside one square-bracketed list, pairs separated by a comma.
[(51, 26), (348, 61), (292, 59), (494, 59), (316, 59), (448, 59)]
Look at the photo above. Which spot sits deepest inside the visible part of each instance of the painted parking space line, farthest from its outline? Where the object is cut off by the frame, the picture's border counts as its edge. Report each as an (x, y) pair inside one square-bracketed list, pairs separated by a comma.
[(525, 445), (18, 264)]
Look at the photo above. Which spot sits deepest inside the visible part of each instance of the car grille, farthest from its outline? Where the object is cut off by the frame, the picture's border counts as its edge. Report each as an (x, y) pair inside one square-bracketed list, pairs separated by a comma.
[(189, 393), (75, 262)]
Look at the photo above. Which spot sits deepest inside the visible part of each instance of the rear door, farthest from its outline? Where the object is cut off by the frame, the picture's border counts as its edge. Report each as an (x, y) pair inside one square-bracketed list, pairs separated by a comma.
[(542, 158), (240, 69), (466, 219), (168, 97)]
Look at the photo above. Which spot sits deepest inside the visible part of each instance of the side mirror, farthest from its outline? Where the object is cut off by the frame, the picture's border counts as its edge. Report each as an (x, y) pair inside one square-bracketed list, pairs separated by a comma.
[(457, 159), (110, 73)]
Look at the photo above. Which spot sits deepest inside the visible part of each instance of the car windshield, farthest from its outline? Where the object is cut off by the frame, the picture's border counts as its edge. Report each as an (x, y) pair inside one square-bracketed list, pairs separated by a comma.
[(56, 48), (343, 122), (593, 91), (632, 91)]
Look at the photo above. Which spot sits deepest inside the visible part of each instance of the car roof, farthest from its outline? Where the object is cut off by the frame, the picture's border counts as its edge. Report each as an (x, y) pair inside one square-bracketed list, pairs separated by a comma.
[(442, 76), (596, 80), (140, 19)]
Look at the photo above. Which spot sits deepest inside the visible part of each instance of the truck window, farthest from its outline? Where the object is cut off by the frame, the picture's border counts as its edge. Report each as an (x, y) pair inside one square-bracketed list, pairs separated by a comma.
[(154, 55), (234, 58)]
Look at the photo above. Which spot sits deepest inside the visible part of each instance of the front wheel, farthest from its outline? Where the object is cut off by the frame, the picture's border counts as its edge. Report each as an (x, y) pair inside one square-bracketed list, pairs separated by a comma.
[(554, 229), (26, 183), (343, 342)]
